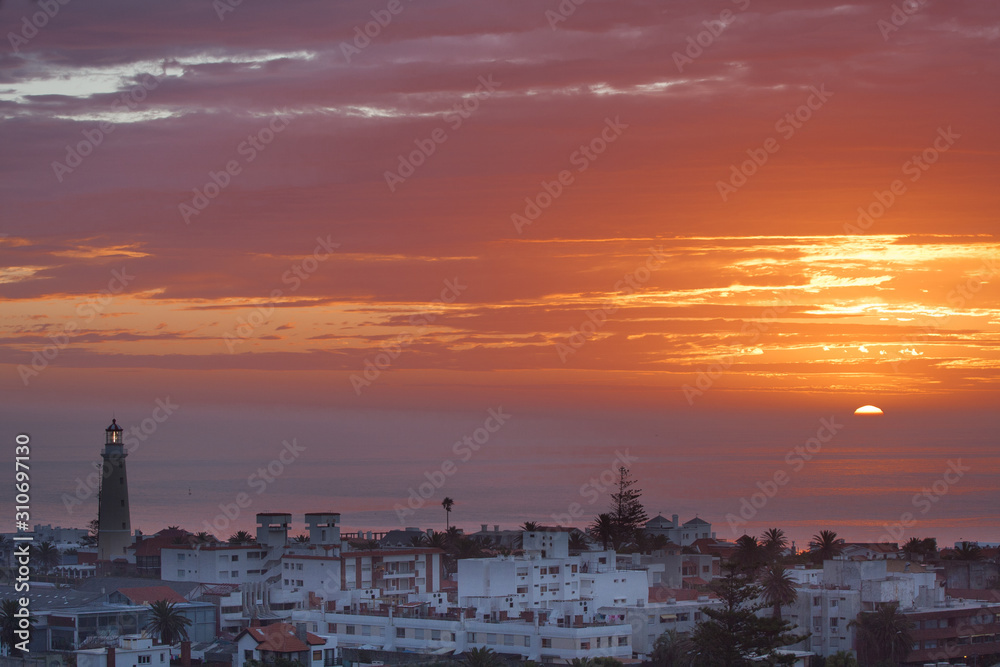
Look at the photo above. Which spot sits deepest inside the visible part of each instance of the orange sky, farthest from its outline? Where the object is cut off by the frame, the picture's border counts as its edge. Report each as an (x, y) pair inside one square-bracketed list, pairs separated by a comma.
[(698, 215)]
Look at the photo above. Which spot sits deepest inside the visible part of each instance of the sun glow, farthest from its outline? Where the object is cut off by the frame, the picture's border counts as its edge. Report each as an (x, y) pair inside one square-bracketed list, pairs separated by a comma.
[(868, 410)]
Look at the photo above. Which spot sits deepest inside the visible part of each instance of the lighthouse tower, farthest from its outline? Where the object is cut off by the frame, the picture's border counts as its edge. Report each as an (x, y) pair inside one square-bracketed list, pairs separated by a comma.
[(114, 532)]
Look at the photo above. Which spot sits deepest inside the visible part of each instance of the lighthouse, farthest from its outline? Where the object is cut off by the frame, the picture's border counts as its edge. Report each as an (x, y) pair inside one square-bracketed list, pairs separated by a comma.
[(114, 531)]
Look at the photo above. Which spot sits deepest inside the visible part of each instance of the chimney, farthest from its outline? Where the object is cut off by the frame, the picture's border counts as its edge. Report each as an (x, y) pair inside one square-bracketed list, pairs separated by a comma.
[(186, 654), (111, 656), (496, 528), (483, 527)]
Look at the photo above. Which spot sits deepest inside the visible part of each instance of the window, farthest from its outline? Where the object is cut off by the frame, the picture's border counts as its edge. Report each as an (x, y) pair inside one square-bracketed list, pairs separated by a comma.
[(236, 558), (816, 600), (833, 603), (546, 643), (554, 569), (236, 573), (248, 654), (366, 631), (491, 638), (350, 630), (400, 633), (572, 569), (522, 589), (161, 657), (331, 628), (584, 646), (298, 566), (317, 655), (180, 573), (508, 640), (418, 633), (144, 659), (833, 624), (298, 582), (544, 570), (436, 635), (623, 641)]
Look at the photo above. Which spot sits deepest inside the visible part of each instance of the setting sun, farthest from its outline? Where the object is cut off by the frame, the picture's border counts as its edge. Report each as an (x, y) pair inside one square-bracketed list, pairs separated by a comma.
[(868, 410)]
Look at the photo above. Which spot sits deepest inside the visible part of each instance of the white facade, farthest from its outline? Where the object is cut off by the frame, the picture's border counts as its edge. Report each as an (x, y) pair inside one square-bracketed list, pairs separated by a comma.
[(220, 564), (528, 640), (827, 614), (650, 621), (683, 534), (132, 652)]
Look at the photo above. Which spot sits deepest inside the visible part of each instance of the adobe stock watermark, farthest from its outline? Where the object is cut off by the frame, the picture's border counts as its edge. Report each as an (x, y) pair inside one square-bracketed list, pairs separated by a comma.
[(257, 482), (30, 25), (464, 450), (409, 163), (924, 501), (293, 277), (795, 459), (594, 489), (899, 17), (365, 33), (581, 158), (218, 181), (87, 312), (752, 330), (597, 318), (131, 439), (696, 44), (914, 168), (786, 126), (562, 12), (391, 350), (94, 136)]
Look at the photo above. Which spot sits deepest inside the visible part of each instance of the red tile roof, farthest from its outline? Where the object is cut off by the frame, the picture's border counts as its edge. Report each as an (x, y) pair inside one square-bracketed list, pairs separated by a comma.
[(280, 638), (148, 594)]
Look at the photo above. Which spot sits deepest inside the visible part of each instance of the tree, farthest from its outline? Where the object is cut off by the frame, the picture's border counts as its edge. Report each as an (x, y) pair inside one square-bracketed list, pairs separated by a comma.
[(672, 649), (482, 657), (825, 545), (9, 624), (167, 623), (603, 530), (883, 635), (447, 504), (47, 556), (777, 588), (418, 540), (627, 512), (204, 538), (578, 543), (301, 539), (529, 526), (734, 635), (774, 543), (969, 551), (748, 555), (841, 659), (241, 537)]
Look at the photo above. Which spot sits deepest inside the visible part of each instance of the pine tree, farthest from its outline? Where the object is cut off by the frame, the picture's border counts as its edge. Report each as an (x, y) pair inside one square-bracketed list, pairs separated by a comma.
[(627, 513), (735, 635)]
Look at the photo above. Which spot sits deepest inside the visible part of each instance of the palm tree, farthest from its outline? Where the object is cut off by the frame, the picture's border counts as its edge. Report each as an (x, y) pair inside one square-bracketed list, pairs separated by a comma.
[(438, 541), (167, 623), (578, 543), (418, 540), (968, 551), (371, 545), (47, 556), (603, 530), (447, 504), (241, 537), (883, 635), (672, 649), (529, 526), (482, 657), (912, 547), (825, 545), (301, 539), (774, 542), (778, 589), (748, 555), (204, 538)]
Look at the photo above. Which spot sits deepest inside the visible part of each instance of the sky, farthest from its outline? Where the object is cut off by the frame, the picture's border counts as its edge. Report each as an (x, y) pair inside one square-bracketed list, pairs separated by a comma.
[(690, 231)]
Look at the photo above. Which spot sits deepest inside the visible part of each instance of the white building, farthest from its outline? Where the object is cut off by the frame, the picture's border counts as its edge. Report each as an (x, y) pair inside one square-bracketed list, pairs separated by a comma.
[(132, 651), (648, 622), (678, 533), (266, 643)]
